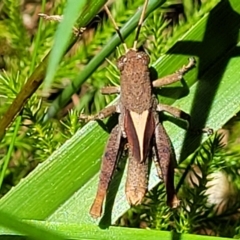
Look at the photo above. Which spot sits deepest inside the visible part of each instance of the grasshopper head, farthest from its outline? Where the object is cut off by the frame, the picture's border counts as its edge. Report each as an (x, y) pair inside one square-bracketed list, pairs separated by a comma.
[(133, 61)]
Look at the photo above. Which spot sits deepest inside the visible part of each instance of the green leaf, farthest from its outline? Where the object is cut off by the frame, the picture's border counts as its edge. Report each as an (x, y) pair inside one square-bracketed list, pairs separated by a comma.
[(34, 231), (81, 231)]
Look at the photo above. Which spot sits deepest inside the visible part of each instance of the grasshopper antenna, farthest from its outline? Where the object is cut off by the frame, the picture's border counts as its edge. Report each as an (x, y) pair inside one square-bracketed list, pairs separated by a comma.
[(140, 25), (116, 27)]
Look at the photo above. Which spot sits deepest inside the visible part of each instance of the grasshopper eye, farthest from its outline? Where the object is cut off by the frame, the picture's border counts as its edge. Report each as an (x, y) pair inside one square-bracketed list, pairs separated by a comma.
[(121, 62), (145, 58)]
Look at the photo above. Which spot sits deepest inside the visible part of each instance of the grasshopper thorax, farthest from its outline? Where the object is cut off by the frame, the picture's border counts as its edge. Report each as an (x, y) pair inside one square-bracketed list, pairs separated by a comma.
[(136, 86), (135, 59)]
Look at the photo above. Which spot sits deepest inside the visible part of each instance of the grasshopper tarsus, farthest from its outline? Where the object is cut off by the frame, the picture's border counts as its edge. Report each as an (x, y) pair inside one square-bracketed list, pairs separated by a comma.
[(84, 118), (192, 62), (207, 130), (185, 68), (174, 202)]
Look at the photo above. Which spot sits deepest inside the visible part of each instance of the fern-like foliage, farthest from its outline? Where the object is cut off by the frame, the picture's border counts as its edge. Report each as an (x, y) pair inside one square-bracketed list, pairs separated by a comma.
[(36, 140), (208, 189), (17, 38)]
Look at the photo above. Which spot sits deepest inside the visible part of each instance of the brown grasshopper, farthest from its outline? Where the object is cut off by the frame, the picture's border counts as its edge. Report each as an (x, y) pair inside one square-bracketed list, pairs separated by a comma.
[(139, 125)]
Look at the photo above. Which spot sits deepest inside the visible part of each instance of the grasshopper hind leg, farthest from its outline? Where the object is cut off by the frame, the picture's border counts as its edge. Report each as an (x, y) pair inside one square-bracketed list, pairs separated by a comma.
[(109, 163), (164, 159)]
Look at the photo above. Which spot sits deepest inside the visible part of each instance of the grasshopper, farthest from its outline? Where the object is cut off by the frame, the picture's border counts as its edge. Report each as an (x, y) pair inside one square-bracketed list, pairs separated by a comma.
[(139, 125)]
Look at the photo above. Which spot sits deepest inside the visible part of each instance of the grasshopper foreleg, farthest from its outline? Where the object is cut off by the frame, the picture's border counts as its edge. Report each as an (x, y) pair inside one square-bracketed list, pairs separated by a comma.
[(178, 75), (109, 163)]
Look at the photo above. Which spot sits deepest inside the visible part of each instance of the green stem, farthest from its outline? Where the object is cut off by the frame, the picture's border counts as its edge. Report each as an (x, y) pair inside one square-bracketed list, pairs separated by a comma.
[(10, 150)]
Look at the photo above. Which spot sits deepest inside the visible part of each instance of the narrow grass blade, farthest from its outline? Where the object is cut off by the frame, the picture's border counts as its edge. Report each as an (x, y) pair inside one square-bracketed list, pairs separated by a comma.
[(37, 232), (62, 37), (10, 150), (83, 231)]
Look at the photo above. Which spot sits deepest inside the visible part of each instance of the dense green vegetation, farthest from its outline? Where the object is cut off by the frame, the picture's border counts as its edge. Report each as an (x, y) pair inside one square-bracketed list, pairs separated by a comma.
[(53, 159)]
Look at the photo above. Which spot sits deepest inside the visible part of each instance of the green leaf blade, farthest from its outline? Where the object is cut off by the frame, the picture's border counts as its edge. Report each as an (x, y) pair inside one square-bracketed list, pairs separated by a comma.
[(65, 29)]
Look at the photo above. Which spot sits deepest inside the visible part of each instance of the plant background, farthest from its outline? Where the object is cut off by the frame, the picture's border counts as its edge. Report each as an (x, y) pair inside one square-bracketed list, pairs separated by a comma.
[(25, 40)]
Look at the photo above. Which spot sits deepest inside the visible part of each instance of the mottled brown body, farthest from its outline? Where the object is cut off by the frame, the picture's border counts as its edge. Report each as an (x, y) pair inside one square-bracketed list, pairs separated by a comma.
[(139, 125), (136, 87), (136, 103)]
